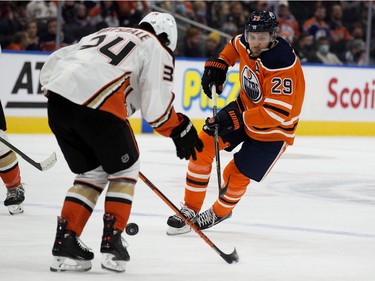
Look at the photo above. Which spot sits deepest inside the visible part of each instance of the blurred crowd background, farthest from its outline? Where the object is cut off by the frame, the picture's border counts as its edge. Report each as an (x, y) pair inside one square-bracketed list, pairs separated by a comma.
[(325, 32)]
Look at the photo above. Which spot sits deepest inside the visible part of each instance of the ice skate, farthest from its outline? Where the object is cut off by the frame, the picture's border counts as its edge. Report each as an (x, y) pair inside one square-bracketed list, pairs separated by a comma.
[(14, 199), (208, 219), (176, 224), (69, 253), (113, 248)]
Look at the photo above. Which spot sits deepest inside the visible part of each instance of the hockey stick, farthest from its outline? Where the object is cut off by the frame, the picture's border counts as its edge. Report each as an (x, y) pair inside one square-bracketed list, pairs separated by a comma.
[(222, 189), (44, 165), (229, 258)]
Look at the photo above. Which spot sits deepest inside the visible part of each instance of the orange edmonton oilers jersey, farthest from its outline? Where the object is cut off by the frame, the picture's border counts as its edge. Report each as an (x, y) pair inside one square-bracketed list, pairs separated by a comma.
[(272, 89)]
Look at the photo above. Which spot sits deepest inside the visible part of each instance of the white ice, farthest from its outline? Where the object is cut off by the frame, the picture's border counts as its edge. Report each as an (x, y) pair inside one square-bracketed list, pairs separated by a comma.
[(311, 219)]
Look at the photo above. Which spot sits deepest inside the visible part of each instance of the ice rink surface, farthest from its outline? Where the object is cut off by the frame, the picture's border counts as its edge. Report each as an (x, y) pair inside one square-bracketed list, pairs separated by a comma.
[(311, 219)]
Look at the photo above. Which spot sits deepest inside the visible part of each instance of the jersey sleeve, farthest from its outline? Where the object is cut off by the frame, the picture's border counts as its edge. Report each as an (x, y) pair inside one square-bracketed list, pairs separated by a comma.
[(156, 88), (230, 53)]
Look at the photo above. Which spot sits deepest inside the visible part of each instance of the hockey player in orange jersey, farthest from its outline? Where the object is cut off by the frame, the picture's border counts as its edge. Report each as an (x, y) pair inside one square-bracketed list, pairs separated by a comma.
[(263, 119)]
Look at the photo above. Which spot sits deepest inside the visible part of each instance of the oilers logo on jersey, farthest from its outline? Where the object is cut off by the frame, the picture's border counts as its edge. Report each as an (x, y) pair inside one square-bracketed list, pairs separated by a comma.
[(251, 85)]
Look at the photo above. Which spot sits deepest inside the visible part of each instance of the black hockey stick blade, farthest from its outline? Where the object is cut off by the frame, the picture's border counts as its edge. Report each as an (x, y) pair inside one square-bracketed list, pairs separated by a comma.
[(229, 258), (223, 189), (42, 166)]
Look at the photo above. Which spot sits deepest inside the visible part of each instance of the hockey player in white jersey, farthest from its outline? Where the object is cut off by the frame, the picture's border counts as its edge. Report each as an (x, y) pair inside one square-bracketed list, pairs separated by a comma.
[(92, 87)]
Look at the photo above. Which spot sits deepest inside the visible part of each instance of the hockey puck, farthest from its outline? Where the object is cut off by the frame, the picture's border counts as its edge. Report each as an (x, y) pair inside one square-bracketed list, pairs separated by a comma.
[(132, 228)]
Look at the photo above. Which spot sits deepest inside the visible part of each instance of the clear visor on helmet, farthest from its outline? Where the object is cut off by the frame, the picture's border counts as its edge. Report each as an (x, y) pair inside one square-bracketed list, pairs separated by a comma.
[(258, 37)]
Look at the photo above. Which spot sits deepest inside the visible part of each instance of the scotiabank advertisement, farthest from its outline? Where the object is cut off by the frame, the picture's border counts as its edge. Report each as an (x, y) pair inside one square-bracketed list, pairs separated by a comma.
[(333, 94), (339, 94)]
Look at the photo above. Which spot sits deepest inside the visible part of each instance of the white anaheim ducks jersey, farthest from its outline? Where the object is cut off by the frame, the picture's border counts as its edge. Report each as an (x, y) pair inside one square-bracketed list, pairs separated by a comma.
[(118, 70)]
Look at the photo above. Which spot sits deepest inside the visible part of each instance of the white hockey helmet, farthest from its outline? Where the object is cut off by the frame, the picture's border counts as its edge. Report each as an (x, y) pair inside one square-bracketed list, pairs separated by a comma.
[(163, 23)]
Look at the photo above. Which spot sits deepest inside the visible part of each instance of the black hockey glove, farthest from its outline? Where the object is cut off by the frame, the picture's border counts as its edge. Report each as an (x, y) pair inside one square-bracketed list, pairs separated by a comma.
[(186, 139), (227, 120), (215, 72)]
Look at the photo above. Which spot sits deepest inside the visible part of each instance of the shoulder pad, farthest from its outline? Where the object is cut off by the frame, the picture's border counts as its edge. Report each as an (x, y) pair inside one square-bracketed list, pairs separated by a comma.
[(280, 56)]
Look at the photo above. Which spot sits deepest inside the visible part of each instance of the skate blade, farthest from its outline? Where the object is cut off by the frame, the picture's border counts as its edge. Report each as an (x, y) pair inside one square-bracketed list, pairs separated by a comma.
[(60, 264), (109, 262), (15, 209), (178, 231)]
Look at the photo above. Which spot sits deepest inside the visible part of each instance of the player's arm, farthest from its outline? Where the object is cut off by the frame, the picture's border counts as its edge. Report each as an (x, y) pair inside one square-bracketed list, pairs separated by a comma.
[(157, 105), (215, 69)]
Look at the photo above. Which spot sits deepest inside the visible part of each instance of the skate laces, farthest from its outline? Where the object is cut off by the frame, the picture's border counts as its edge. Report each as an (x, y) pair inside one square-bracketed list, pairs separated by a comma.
[(14, 192), (187, 212), (207, 218), (82, 245)]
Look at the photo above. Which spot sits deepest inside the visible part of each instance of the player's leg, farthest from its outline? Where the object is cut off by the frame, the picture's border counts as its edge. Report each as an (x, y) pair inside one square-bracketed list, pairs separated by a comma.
[(118, 203), (121, 162), (67, 121), (253, 161), (197, 178), (10, 173)]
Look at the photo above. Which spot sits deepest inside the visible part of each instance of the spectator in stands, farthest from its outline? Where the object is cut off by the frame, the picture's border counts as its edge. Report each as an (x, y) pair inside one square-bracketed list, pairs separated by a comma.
[(10, 22), (238, 15), (200, 12), (104, 14), (37, 9), (219, 13), (316, 25), (19, 42), (213, 45), (356, 53), (69, 12), (76, 22), (323, 53), (130, 13), (288, 25), (32, 31), (357, 32), (305, 49), (192, 44), (339, 33), (48, 40), (230, 28), (262, 5), (185, 9)]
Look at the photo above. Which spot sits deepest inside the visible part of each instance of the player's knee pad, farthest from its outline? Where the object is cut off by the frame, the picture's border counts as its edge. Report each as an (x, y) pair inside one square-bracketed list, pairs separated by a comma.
[(121, 184), (8, 160), (122, 190), (87, 194)]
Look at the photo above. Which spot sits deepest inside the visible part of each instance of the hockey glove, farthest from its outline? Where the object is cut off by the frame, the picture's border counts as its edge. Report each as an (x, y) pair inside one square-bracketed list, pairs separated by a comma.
[(227, 121), (215, 72), (186, 139)]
